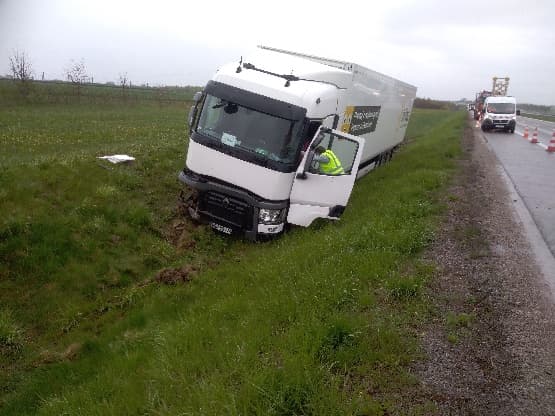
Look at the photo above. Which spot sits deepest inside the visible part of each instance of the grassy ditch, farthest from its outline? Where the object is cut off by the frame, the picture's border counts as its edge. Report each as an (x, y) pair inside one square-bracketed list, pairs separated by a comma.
[(79, 237), (322, 321)]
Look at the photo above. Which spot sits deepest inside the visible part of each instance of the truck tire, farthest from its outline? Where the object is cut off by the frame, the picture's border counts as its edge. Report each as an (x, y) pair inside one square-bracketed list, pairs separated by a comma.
[(187, 204)]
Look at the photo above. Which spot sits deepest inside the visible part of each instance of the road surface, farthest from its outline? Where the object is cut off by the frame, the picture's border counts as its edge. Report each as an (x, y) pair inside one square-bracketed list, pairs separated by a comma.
[(531, 169), (505, 363)]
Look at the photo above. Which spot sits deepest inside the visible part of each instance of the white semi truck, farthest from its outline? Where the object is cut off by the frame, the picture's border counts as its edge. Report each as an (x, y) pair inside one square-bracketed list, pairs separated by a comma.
[(256, 128)]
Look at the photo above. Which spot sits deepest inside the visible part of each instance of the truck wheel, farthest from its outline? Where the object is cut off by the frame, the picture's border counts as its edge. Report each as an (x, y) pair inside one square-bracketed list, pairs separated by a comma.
[(187, 204), (483, 128), (512, 130)]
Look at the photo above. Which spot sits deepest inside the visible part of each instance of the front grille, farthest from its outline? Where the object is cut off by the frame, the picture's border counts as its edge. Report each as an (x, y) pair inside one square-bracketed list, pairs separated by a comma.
[(234, 212)]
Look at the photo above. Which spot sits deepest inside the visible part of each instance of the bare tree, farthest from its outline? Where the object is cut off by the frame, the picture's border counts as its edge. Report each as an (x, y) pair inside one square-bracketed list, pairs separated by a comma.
[(124, 82), (123, 79), (22, 71), (77, 74)]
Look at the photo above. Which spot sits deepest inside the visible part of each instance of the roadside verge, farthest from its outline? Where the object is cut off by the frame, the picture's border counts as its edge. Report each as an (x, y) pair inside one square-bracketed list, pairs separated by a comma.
[(490, 347)]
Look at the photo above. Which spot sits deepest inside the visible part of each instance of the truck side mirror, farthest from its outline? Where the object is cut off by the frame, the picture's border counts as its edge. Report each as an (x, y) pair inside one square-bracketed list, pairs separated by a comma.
[(517, 112), (193, 110), (192, 114)]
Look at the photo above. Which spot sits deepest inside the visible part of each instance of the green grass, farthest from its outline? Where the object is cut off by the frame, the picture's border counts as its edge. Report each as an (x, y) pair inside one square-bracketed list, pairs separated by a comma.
[(77, 233), (321, 321), (538, 116), (38, 135), (11, 336), (59, 92), (458, 325)]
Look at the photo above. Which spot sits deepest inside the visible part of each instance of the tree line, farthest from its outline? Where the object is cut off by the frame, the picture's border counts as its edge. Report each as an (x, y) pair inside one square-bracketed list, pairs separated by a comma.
[(22, 75)]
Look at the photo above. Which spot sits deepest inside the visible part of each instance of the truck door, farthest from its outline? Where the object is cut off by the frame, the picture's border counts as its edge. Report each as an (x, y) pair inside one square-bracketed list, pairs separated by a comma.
[(316, 194)]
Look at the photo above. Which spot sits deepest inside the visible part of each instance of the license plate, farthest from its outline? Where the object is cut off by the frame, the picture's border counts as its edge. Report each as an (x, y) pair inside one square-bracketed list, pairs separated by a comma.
[(221, 228)]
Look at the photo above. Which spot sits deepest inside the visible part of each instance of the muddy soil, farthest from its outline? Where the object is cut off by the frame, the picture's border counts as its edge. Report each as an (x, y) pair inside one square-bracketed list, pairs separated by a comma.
[(173, 276), (491, 347)]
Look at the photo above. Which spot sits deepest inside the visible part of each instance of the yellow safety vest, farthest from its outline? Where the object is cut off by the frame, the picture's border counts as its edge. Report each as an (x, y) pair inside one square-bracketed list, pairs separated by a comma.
[(333, 167)]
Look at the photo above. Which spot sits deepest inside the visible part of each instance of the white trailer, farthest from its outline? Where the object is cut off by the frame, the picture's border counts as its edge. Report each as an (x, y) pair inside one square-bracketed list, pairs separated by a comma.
[(257, 125)]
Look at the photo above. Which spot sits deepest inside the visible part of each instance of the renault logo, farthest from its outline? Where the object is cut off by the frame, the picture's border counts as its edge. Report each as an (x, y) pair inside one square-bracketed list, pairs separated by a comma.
[(225, 202)]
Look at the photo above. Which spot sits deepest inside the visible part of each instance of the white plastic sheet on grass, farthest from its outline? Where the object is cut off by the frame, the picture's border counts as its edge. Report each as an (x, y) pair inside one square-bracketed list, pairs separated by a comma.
[(117, 158)]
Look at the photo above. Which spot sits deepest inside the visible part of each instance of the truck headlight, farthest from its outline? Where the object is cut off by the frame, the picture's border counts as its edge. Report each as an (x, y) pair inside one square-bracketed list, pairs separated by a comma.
[(270, 216)]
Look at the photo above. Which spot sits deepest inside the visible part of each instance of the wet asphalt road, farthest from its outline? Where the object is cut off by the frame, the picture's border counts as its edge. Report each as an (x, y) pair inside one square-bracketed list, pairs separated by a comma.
[(531, 169)]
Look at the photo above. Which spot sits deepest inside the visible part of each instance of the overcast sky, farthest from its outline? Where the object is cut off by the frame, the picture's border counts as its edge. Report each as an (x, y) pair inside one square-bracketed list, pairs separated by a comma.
[(449, 50)]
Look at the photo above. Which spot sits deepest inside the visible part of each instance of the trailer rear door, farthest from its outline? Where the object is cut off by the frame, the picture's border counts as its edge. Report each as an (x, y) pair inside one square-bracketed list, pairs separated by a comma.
[(316, 194)]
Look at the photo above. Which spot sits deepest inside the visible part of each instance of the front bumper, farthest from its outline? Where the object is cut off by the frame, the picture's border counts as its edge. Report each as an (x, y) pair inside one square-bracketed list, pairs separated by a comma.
[(507, 124), (229, 208)]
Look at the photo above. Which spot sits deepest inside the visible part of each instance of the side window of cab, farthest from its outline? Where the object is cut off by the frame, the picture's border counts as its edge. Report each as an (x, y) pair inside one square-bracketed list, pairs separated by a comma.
[(334, 155)]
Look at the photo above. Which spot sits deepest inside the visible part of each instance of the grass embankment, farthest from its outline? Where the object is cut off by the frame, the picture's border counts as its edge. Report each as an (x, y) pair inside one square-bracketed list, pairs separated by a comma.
[(77, 234), (322, 321)]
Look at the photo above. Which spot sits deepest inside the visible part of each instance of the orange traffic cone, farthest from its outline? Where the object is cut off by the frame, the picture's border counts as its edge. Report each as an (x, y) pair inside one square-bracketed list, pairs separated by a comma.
[(525, 134), (534, 136), (551, 146)]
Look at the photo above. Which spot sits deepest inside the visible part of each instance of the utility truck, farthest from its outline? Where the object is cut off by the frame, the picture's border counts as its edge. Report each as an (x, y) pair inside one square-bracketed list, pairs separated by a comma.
[(479, 103), (257, 128), (499, 113), (499, 87)]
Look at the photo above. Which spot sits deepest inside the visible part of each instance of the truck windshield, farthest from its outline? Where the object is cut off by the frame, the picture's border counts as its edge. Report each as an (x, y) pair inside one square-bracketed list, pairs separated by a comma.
[(268, 137), (501, 108)]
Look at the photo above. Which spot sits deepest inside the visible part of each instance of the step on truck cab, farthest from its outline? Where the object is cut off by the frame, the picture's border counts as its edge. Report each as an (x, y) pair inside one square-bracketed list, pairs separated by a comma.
[(499, 112), (263, 132)]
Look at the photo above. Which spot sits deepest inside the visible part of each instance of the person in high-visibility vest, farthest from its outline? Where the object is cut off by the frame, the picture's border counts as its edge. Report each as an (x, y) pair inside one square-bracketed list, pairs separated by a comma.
[(329, 163)]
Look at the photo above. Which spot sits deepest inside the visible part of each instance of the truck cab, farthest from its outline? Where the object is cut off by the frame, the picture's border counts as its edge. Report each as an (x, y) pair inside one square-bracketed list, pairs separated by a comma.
[(499, 112), (251, 151)]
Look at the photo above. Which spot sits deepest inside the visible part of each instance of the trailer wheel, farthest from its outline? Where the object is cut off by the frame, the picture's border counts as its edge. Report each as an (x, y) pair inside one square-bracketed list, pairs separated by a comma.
[(390, 155)]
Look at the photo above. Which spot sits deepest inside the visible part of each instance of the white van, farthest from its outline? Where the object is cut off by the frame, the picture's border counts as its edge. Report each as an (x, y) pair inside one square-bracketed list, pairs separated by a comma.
[(256, 129), (499, 112)]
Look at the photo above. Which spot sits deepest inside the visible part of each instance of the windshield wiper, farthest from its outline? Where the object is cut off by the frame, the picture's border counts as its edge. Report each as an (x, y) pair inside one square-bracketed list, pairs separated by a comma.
[(289, 78)]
